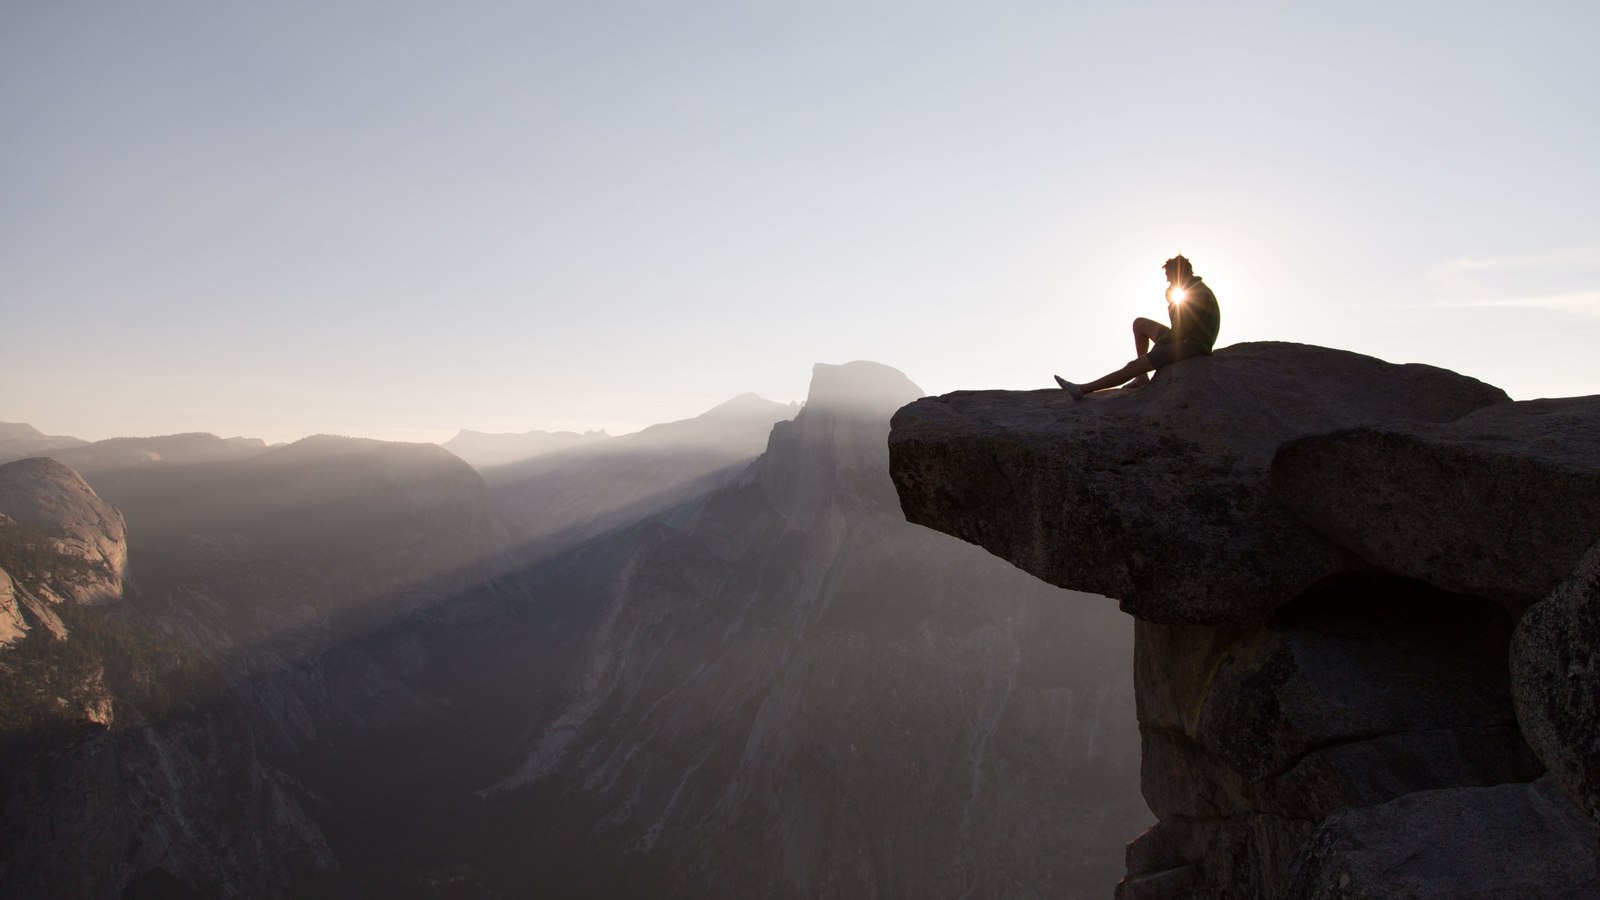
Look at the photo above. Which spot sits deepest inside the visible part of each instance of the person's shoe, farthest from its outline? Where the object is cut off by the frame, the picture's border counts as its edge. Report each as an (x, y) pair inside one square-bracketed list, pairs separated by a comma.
[(1069, 387)]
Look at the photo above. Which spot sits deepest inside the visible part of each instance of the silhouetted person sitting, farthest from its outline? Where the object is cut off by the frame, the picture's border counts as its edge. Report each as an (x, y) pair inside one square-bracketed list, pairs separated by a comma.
[(1192, 310)]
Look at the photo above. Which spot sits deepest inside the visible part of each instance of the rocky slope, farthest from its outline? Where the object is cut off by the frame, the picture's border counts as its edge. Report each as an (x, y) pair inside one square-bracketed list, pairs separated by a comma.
[(1326, 555)]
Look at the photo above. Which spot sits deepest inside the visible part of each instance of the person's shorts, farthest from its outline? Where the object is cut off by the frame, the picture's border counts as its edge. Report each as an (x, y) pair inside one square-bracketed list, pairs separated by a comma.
[(1166, 354)]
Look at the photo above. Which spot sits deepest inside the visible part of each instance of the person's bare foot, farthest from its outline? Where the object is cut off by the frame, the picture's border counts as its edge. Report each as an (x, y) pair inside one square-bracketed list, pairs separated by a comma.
[(1073, 389), (1138, 381)]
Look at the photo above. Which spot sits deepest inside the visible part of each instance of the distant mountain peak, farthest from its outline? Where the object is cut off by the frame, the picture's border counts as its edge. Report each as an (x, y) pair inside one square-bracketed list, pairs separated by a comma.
[(19, 439), (468, 433), (861, 387), (13, 430), (748, 405), (483, 448), (837, 445)]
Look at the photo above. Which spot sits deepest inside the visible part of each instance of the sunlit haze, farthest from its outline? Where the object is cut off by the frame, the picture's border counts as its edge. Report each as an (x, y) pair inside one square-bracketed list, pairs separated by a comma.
[(398, 220)]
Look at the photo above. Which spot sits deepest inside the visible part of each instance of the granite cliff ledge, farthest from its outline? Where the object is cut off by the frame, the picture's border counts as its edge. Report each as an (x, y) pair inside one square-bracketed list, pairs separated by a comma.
[(1327, 556)]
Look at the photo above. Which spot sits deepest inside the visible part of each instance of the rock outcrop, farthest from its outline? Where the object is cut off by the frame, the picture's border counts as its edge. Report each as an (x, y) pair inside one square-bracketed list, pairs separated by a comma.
[(54, 525), (1326, 555), (1448, 503), (1159, 497)]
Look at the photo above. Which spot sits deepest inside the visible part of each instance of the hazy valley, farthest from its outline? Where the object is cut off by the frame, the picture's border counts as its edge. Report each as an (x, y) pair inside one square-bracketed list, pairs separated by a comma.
[(707, 659)]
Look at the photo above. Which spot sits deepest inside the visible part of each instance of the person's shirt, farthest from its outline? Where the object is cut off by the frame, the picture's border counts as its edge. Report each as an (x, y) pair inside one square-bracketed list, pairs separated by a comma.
[(1197, 320)]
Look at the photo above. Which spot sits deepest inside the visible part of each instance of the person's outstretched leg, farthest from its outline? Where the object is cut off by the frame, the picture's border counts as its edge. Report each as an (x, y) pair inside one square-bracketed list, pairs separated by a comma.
[(1145, 332), (1135, 368)]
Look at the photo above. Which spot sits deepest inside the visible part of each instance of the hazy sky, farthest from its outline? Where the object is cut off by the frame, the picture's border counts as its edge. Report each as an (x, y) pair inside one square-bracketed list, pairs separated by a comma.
[(398, 220)]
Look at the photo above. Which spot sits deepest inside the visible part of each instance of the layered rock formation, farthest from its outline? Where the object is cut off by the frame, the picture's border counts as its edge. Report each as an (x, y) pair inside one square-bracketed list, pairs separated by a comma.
[(1326, 555)]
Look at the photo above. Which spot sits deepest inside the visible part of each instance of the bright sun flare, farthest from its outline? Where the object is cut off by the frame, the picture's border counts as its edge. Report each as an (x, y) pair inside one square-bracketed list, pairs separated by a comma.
[(1177, 295)]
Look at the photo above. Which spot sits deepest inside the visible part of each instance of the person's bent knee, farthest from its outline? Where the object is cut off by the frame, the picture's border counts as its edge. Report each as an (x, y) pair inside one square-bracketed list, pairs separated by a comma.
[(1149, 328)]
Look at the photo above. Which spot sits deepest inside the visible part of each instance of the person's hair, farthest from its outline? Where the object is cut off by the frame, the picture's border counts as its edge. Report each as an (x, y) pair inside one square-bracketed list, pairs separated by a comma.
[(1184, 268)]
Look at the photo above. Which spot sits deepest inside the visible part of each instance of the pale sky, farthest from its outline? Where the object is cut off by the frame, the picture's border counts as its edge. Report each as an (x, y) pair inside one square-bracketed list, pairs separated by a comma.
[(397, 220)]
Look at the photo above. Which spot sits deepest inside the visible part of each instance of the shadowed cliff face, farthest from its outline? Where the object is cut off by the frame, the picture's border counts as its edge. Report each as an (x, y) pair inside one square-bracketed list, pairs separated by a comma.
[(1327, 555), (793, 693)]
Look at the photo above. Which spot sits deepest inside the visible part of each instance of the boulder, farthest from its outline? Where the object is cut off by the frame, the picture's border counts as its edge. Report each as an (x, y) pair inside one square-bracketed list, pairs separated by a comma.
[(1555, 664), (1511, 841), (1159, 496), (1465, 505)]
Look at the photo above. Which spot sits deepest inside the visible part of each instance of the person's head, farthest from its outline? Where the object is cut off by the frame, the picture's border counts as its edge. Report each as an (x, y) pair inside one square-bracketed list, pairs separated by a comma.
[(1178, 270)]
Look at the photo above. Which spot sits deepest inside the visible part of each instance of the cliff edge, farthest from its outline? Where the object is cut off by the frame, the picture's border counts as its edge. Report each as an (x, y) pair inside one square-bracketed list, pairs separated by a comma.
[(1327, 557)]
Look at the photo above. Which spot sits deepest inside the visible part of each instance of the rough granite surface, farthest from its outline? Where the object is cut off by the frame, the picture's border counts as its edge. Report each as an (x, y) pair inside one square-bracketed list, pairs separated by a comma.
[(1159, 496), (1507, 842), (77, 537), (1555, 664), (1449, 503)]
